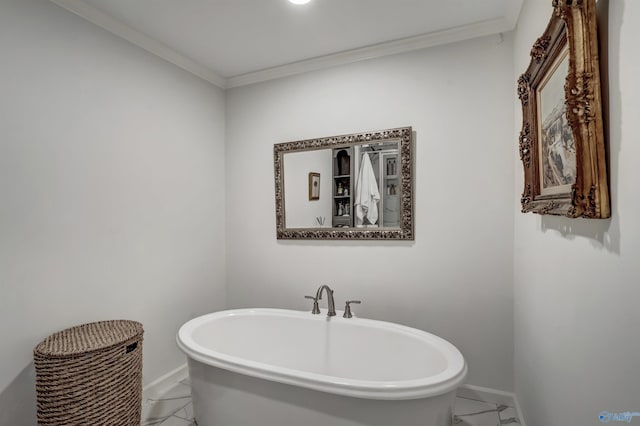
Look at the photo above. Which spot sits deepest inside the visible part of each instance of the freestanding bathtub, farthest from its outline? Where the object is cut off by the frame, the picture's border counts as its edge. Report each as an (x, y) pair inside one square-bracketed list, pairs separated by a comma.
[(272, 367)]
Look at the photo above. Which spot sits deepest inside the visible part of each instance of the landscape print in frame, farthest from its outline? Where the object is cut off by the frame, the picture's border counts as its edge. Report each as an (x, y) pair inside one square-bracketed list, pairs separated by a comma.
[(557, 148), (562, 144)]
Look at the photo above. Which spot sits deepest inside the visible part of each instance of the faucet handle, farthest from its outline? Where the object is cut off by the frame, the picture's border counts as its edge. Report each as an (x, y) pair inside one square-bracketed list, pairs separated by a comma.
[(316, 308), (347, 308)]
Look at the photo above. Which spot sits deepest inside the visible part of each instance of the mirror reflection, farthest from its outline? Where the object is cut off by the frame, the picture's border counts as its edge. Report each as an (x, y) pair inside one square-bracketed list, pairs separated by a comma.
[(347, 187), (355, 186)]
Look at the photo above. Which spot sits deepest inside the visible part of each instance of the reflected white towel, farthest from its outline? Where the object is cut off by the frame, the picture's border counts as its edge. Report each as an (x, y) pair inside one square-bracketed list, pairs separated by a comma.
[(367, 194)]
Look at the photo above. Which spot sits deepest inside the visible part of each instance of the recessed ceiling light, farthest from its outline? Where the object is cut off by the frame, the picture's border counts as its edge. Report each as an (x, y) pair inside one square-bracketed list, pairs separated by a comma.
[(299, 1)]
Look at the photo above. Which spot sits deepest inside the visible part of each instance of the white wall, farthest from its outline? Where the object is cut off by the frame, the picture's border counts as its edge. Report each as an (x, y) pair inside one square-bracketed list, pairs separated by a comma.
[(456, 278), (576, 281), (300, 211), (111, 192)]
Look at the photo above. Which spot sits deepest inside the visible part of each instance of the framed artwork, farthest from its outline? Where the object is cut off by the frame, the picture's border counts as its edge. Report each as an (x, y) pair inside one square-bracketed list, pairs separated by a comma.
[(561, 144), (314, 186)]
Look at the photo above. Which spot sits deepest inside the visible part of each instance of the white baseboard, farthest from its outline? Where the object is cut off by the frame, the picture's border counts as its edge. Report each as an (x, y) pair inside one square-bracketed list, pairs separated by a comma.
[(519, 411), (493, 396), (160, 385)]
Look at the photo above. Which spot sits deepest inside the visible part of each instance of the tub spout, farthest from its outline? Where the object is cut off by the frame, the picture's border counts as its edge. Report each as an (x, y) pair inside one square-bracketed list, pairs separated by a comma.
[(330, 301)]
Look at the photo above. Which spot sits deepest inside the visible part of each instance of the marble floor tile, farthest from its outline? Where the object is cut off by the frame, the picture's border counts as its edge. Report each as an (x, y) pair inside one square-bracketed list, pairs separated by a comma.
[(509, 416), (157, 410), (152, 412), (176, 421), (475, 413), (186, 413)]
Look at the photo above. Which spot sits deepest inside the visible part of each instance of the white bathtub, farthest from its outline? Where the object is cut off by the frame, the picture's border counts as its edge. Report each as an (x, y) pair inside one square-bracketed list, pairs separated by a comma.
[(271, 367)]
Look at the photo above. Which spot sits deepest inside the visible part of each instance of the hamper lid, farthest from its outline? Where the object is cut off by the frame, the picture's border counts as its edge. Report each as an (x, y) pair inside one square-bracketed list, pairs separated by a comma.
[(88, 338)]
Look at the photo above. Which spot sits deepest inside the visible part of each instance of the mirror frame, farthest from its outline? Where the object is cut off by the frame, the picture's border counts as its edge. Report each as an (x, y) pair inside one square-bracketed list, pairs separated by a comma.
[(406, 230)]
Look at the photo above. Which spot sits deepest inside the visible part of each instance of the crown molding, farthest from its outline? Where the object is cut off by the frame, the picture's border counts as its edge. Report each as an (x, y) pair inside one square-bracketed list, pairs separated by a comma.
[(149, 44), (437, 38)]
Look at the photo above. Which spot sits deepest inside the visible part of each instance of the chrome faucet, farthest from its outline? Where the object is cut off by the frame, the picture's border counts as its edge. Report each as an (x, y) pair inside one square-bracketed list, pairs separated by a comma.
[(330, 301)]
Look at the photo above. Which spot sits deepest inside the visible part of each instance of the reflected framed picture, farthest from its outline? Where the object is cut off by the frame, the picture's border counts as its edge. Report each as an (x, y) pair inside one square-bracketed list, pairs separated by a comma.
[(562, 144), (314, 186)]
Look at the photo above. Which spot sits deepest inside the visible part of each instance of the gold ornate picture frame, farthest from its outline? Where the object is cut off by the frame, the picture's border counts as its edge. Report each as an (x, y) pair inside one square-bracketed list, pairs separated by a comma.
[(314, 186), (561, 144)]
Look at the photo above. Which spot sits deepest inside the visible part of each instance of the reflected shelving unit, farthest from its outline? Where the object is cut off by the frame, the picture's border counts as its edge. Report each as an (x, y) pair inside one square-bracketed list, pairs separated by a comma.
[(342, 215), (390, 190)]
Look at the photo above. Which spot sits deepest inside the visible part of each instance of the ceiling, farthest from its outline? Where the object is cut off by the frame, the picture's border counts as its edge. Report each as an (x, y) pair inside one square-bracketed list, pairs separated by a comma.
[(237, 42)]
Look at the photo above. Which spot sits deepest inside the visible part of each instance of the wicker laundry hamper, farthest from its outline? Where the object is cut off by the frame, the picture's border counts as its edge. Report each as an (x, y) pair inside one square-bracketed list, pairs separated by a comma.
[(90, 375)]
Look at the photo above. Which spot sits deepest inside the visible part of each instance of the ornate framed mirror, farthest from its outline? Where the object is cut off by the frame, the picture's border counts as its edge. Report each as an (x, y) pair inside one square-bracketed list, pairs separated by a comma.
[(362, 187)]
